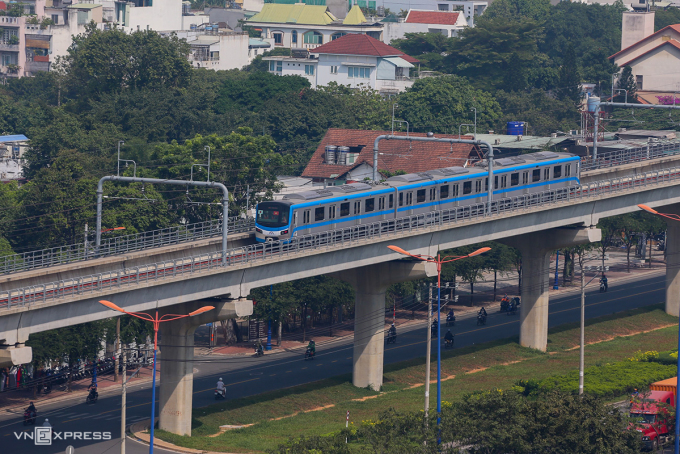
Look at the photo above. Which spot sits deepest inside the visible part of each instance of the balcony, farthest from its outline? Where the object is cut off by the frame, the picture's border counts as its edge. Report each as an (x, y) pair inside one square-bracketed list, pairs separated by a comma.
[(37, 66), (9, 47)]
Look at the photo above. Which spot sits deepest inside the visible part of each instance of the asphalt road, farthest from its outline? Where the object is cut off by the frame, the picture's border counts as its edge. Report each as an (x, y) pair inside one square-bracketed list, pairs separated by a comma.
[(246, 376)]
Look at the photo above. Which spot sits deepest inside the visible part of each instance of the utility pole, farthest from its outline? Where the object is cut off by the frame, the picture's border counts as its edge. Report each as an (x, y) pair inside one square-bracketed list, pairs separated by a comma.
[(428, 353), (583, 317), (85, 242), (117, 351), (122, 411)]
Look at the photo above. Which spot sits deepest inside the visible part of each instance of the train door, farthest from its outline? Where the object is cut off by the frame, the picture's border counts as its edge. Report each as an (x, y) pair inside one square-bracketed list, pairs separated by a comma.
[(454, 194), (525, 182), (306, 218), (432, 200), (332, 217), (356, 212), (381, 207), (295, 222)]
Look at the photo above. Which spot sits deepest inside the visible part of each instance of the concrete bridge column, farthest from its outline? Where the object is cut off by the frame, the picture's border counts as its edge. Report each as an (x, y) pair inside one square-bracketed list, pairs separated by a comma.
[(370, 284), (536, 249), (672, 263), (176, 358), (15, 355)]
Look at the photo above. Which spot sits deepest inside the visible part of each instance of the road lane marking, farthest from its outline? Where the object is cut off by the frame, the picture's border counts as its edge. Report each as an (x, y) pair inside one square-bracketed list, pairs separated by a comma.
[(319, 365), (304, 368), (335, 360), (289, 371)]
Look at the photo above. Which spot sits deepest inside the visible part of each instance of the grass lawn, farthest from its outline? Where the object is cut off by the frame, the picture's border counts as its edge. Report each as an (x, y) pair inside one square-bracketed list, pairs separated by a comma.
[(319, 408)]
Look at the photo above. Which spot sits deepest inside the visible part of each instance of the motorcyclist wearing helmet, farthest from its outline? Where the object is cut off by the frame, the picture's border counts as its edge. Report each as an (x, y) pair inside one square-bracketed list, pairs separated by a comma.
[(393, 330), (311, 346), (604, 281), (482, 312), (220, 387), (449, 336), (31, 408)]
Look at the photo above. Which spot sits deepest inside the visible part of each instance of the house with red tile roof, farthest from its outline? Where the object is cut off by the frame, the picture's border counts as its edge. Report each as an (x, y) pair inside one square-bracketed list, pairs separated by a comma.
[(353, 60), (447, 23), (352, 159), (653, 57)]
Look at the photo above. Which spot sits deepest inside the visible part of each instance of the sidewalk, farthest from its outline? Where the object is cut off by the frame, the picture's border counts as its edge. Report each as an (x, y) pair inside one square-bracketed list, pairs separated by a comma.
[(16, 400)]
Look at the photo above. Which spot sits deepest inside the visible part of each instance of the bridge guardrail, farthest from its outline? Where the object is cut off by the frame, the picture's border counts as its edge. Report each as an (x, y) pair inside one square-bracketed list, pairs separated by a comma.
[(614, 158), (261, 251), (121, 244)]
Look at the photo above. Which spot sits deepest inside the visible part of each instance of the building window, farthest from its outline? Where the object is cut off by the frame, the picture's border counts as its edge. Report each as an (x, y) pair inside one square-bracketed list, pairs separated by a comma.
[(359, 72), (55, 19), (293, 36), (309, 70), (335, 36), (318, 214), (278, 38), (334, 69), (275, 66), (638, 81), (313, 38), (443, 7)]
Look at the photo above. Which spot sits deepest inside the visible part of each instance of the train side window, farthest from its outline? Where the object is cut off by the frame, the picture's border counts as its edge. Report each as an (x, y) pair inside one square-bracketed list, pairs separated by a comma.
[(318, 214), (369, 205), (409, 198), (444, 192), (557, 171), (305, 217), (567, 170), (391, 204), (536, 175), (331, 212), (401, 203), (514, 179), (525, 177), (478, 186), (381, 203), (357, 207), (344, 209), (420, 195), (433, 193), (467, 187), (546, 173), (486, 185), (295, 218), (495, 182)]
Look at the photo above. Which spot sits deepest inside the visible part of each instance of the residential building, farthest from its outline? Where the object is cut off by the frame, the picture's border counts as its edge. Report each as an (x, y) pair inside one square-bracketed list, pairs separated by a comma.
[(653, 57), (12, 149), (394, 156), (353, 60), (469, 8), (309, 26), (417, 21), (220, 48)]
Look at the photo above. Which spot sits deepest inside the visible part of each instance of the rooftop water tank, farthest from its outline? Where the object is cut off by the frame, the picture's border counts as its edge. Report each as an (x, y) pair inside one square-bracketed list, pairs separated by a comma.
[(342, 155), (515, 128), (330, 154), (593, 102)]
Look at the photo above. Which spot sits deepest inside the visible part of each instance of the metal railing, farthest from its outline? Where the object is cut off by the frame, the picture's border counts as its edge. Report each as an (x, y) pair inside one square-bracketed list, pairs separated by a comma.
[(629, 155), (335, 238), (121, 244)]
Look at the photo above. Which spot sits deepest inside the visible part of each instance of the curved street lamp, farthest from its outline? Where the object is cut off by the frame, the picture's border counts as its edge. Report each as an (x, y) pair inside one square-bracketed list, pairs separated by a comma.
[(439, 260), (156, 324)]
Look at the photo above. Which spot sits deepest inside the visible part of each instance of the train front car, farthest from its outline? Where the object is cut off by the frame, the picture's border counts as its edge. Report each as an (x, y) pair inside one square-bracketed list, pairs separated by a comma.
[(272, 221)]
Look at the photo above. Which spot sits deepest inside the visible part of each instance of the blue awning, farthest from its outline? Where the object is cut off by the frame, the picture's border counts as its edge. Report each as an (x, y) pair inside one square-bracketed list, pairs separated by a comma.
[(14, 138)]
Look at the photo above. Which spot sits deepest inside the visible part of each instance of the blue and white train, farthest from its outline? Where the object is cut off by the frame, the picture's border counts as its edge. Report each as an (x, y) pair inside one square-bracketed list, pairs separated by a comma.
[(337, 207)]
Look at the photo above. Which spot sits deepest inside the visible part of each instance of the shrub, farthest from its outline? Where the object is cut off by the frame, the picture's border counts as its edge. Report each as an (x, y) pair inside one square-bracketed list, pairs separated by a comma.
[(611, 379)]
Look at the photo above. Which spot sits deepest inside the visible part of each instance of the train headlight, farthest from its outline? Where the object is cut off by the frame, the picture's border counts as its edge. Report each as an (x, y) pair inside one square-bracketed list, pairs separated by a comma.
[(283, 232), (258, 230)]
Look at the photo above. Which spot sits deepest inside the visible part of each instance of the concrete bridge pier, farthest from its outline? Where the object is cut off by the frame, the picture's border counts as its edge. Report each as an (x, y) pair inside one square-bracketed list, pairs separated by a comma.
[(536, 249), (370, 283), (14, 355), (177, 354), (672, 262)]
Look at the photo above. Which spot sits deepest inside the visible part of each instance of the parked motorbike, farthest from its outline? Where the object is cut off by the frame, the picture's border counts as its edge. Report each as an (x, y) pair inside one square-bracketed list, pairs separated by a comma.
[(220, 394), (512, 309), (309, 354)]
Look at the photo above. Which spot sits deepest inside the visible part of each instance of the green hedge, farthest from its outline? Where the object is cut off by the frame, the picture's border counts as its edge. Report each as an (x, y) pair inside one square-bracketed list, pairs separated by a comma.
[(610, 380)]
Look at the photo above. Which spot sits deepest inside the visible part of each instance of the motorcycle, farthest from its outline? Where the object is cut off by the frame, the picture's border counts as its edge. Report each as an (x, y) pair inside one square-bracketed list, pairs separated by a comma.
[(220, 394), (433, 328), (481, 319), (46, 388), (258, 350), (309, 354), (450, 320), (448, 343), (512, 309), (504, 305), (603, 288), (391, 338), (29, 417), (92, 397)]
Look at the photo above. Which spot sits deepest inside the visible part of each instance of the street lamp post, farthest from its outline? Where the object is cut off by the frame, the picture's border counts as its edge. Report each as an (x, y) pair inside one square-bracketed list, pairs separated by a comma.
[(439, 260), (672, 217), (556, 286), (156, 324), (122, 409), (582, 345)]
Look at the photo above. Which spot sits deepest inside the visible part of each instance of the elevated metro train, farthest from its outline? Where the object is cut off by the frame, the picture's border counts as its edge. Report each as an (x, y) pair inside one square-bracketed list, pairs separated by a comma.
[(337, 207)]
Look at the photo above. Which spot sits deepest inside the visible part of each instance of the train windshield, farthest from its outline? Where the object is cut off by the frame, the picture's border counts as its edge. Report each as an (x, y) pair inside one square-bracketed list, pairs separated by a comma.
[(272, 214)]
